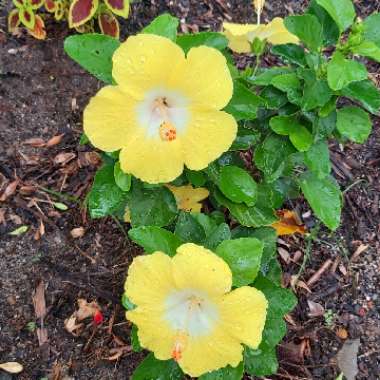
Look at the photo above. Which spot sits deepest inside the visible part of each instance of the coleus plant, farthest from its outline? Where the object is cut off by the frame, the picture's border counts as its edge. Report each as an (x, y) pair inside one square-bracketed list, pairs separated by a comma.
[(285, 117), (80, 15)]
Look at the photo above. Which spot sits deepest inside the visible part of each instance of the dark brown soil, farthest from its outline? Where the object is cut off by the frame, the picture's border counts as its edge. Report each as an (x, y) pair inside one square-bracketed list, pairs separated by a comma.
[(42, 94)]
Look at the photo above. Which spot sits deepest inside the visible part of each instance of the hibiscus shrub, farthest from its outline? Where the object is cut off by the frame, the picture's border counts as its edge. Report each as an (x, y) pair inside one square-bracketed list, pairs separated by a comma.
[(268, 144), (80, 15)]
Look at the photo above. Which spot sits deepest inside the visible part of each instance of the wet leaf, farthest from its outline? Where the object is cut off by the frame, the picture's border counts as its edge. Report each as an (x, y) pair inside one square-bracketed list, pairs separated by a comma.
[(226, 373), (260, 362), (212, 39), (11, 367), (243, 256), (94, 53), (164, 25), (19, 231)]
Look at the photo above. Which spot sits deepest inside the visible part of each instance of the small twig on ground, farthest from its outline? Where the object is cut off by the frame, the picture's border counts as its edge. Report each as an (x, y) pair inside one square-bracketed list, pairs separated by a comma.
[(317, 275)]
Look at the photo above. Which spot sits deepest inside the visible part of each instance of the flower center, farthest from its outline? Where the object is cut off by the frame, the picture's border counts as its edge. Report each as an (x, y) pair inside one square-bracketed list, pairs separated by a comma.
[(191, 314), (163, 114)]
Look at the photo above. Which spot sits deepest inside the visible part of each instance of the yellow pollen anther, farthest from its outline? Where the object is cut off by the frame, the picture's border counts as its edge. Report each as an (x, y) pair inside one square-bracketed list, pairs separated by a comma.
[(168, 131)]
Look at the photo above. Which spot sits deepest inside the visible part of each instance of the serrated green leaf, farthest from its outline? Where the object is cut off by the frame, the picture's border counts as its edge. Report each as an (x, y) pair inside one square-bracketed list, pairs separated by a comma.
[(154, 239), (238, 185), (366, 93), (152, 207), (226, 373), (317, 159), (244, 103), (243, 256), (153, 369), (94, 53), (324, 198), (212, 39), (341, 11), (354, 123), (164, 25), (341, 72), (105, 197), (307, 28)]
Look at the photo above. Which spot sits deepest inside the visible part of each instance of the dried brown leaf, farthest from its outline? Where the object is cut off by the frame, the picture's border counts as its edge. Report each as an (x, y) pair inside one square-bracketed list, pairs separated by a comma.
[(2, 216), (342, 333), (77, 232), (35, 142), (9, 190), (12, 367), (63, 158), (55, 140), (27, 190), (72, 326), (316, 309), (39, 300), (285, 255), (86, 309), (42, 335), (362, 248)]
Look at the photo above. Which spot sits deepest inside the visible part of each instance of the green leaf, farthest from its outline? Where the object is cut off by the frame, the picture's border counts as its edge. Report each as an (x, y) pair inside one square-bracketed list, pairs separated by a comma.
[(272, 156), (83, 139), (153, 369), (307, 28), (324, 126), (127, 304), (367, 49), (366, 93), (341, 72), (243, 256), (244, 103), (273, 272), (372, 28), (60, 206), (152, 207), (105, 197), (330, 30), (94, 53), (317, 159), (212, 39), (135, 343), (291, 53), (354, 123), (196, 178), (301, 138), (290, 84), (324, 198), (219, 234), (341, 11), (316, 92), (226, 373), (154, 239), (238, 185), (254, 216), (164, 25), (19, 231), (265, 78), (245, 138), (189, 229), (122, 179), (260, 362), (266, 235)]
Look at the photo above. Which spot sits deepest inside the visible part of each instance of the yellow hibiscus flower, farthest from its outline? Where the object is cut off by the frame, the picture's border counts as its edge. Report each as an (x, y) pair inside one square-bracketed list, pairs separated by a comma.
[(164, 112), (188, 198), (185, 309), (240, 36)]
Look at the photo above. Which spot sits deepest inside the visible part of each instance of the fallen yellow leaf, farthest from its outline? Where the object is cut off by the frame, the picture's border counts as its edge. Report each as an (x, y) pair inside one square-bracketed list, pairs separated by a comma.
[(288, 223)]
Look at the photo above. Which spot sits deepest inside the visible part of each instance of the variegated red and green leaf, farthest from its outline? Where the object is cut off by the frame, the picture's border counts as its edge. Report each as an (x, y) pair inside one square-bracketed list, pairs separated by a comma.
[(81, 11), (50, 5), (27, 17), (38, 31), (35, 4), (119, 7), (108, 24), (86, 28), (13, 20), (59, 10), (20, 3)]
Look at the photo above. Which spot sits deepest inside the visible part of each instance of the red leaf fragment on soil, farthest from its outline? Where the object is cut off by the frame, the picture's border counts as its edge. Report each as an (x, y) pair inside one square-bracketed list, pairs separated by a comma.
[(98, 318)]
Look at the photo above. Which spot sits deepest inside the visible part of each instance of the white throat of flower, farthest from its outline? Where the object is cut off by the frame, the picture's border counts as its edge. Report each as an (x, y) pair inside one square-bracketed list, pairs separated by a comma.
[(191, 314), (163, 114)]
